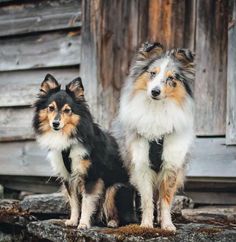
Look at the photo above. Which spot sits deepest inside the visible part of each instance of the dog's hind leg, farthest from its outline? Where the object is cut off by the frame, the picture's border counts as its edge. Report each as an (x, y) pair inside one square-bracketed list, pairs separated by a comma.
[(90, 199), (110, 208)]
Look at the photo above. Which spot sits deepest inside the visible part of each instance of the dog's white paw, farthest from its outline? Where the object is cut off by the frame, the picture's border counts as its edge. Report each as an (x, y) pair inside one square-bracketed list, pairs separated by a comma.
[(83, 226), (146, 224), (168, 227), (71, 222), (112, 224)]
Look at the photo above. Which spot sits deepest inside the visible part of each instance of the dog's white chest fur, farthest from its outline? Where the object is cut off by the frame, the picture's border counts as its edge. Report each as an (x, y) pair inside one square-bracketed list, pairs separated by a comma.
[(153, 119), (56, 143)]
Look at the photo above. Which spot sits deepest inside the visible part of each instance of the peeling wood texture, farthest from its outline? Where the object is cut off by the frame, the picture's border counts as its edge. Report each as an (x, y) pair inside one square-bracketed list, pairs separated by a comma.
[(112, 30), (42, 50), (35, 16), (20, 88), (172, 23), (211, 68), (16, 124), (231, 82)]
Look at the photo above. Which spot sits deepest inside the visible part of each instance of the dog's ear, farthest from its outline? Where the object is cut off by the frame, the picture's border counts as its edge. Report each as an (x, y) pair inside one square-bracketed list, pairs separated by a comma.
[(150, 51), (49, 83), (184, 56), (76, 88)]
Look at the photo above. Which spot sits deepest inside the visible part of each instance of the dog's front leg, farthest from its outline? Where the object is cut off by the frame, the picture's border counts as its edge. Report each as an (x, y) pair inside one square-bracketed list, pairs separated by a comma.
[(74, 204), (90, 198), (142, 179), (175, 148)]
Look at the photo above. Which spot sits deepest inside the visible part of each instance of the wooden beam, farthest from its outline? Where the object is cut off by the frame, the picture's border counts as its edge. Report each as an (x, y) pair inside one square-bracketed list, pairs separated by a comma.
[(35, 16), (41, 50), (19, 88), (211, 68), (231, 82)]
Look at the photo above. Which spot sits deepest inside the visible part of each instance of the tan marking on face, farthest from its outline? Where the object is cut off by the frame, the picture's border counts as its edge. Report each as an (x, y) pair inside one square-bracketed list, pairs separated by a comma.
[(69, 120), (156, 69), (52, 113), (84, 166), (169, 74), (177, 93), (141, 82), (44, 122)]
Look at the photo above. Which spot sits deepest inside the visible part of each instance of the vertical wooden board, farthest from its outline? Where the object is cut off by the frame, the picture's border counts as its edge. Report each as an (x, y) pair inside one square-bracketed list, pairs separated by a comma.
[(172, 23), (112, 30), (231, 78), (211, 68)]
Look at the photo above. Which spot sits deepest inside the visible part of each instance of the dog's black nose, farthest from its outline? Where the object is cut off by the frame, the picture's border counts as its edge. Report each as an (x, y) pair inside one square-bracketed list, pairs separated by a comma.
[(156, 92), (56, 123)]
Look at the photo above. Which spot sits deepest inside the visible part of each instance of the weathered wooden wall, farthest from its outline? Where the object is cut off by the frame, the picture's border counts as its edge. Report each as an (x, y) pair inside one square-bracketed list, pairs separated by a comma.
[(39, 37), (231, 81), (36, 38)]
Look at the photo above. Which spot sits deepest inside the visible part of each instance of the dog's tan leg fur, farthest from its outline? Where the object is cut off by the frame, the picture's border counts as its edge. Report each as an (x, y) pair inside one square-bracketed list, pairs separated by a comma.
[(110, 209), (171, 181), (89, 204)]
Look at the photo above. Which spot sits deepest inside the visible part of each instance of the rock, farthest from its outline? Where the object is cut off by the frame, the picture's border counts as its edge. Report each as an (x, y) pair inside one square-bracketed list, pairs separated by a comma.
[(54, 203), (11, 213), (181, 202), (211, 213), (54, 230)]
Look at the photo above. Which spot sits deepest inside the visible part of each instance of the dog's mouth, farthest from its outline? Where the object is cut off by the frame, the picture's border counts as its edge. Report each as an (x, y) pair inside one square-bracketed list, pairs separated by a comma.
[(56, 129)]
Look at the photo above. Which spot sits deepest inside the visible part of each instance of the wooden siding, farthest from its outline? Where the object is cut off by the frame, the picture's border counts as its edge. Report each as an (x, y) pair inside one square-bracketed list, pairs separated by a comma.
[(211, 67), (35, 16), (231, 82)]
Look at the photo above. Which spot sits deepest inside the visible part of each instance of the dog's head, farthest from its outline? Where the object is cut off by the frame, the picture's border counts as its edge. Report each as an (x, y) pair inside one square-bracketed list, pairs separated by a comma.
[(163, 74), (58, 110)]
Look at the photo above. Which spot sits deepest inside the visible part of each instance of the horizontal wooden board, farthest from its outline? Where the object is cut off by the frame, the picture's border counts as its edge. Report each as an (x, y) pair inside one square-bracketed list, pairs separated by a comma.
[(24, 158), (37, 16), (212, 158), (19, 88), (41, 50), (16, 124)]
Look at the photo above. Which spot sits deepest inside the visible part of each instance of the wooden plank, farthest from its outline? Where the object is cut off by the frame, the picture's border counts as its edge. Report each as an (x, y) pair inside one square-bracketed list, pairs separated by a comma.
[(212, 197), (112, 30), (16, 124), (42, 50), (31, 183), (35, 16), (211, 68), (172, 23), (24, 159), (212, 158), (20, 88), (231, 83)]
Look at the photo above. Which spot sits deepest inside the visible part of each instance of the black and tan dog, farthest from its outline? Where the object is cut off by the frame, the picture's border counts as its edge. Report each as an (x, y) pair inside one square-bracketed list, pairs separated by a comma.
[(82, 154)]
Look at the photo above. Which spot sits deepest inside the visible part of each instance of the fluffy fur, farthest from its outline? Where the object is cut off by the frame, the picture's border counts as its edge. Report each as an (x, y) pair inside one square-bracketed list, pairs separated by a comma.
[(85, 157), (154, 127)]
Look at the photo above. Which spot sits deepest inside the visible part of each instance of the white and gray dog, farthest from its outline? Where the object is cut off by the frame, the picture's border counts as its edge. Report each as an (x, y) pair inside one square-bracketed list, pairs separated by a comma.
[(154, 127)]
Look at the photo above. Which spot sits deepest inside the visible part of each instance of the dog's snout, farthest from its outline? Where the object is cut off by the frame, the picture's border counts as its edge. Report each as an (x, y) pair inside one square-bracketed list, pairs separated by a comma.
[(56, 123), (156, 92)]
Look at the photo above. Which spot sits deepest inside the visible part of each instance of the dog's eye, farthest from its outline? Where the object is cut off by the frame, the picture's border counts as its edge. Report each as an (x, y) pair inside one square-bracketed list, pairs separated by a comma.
[(170, 81), (67, 111), (51, 108), (152, 74)]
